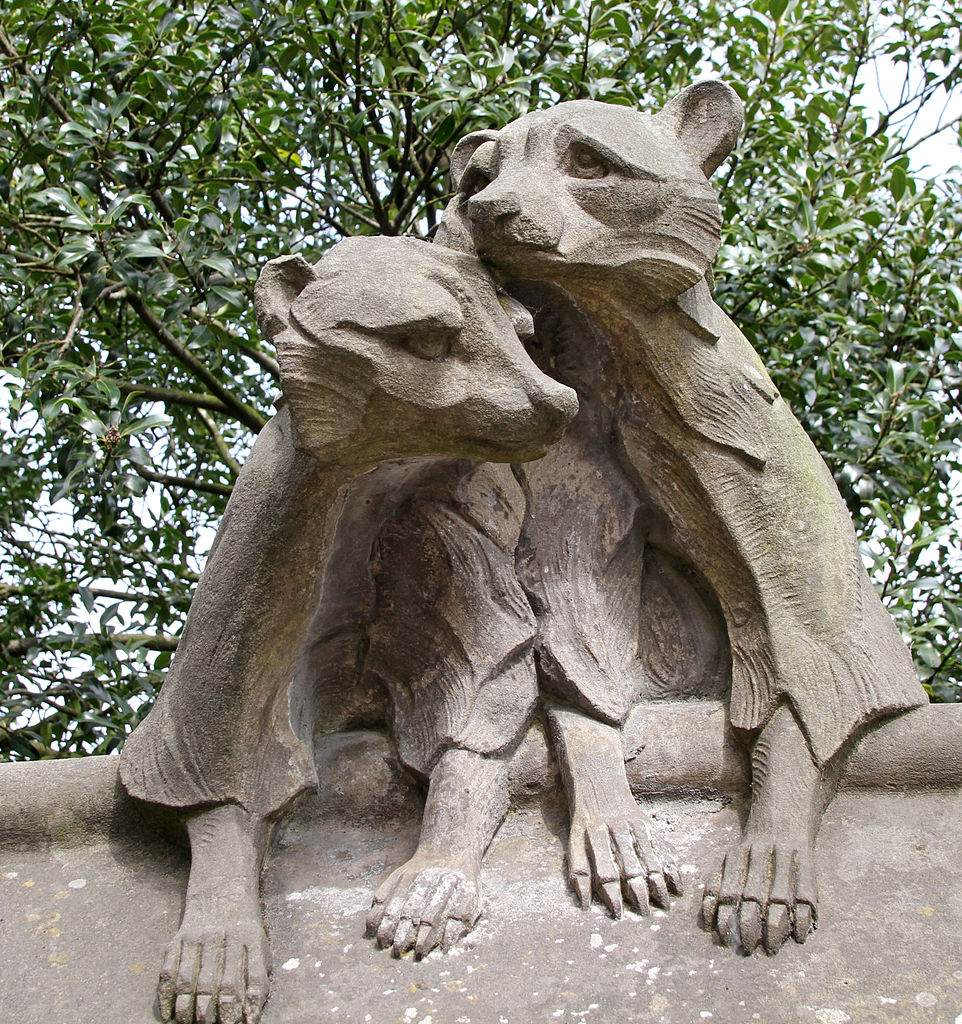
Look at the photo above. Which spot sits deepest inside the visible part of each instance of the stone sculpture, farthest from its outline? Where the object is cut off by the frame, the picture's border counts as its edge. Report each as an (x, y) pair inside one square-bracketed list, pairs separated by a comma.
[(388, 348), (683, 539), (613, 209)]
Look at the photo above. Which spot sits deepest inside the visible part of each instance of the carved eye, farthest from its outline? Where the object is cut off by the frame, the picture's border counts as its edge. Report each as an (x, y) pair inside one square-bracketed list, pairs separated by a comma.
[(584, 162), (429, 337), (428, 344)]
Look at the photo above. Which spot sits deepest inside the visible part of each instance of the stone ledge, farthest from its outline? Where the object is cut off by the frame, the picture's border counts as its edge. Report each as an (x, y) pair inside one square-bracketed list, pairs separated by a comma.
[(85, 926)]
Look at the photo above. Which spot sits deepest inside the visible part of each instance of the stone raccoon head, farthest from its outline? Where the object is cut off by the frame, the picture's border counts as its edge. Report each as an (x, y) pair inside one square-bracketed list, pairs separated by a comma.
[(393, 348), (597, 191)]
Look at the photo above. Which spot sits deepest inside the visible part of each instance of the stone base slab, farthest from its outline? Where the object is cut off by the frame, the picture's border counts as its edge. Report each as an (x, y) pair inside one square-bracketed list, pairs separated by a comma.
[(88, 911)]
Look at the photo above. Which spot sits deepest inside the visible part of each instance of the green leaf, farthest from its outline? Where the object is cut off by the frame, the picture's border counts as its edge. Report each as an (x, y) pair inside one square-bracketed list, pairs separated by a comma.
[(143, 250), (776, 8), (145, 423), (219, 263)]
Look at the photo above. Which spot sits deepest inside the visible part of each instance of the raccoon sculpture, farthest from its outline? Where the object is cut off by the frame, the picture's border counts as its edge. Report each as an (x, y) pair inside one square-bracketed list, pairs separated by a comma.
[(390, 349), (685, 486), (613, 207)]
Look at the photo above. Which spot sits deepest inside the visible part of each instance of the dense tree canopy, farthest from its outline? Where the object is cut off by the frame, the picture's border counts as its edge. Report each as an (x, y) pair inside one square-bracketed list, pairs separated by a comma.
[(153, 155)]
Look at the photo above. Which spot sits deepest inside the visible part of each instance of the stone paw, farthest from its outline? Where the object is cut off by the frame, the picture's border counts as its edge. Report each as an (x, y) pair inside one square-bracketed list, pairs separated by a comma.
[(763, 893), (622, 861), (212, 975), (423, 905)]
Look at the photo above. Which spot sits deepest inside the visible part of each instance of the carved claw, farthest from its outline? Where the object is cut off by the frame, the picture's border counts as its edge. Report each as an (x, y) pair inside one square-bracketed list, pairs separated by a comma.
[(423, 906), (215, 976), (778, 927), (622, 862), (763, 893)]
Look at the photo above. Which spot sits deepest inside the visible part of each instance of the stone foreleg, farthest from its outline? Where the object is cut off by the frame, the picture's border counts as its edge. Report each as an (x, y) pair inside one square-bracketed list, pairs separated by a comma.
[(613, 847), (452, 643), (765, 889), (217, 966), (435, 897)]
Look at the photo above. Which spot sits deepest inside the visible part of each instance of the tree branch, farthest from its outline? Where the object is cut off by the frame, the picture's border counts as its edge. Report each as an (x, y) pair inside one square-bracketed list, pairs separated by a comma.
[(155, 641), (237, 408), (191, 483), (171, 397), (232, 464), (21, 65)]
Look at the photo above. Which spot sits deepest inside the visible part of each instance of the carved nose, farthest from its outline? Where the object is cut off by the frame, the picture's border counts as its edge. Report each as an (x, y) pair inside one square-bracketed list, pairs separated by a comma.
[(556, 404), (498, 206), (528, 215)]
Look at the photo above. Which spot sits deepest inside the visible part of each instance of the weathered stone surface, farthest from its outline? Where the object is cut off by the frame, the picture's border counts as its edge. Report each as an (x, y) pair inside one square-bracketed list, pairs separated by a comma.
[(671, 748), (85, 925)]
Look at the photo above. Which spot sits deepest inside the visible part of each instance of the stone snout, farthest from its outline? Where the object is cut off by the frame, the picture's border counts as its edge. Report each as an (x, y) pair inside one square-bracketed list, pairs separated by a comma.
[(526, 227), (510, 211)]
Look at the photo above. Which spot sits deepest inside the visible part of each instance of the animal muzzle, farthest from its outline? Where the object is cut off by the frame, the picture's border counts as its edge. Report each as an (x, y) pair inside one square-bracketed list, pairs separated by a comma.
[(502, 215), (553, 407)]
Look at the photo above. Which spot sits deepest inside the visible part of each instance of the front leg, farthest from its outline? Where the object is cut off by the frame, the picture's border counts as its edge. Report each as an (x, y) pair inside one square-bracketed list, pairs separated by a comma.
[(217, 967), (765, 890), (613, 847), (435, 898)]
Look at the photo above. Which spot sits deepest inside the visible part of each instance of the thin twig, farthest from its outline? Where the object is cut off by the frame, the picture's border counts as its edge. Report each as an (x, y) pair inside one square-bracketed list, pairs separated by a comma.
[(74, 322), (188, 483)]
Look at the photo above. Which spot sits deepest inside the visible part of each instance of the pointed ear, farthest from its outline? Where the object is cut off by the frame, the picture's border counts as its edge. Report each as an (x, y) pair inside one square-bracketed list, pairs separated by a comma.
[(464, 150), (707, 118), (279, 284)]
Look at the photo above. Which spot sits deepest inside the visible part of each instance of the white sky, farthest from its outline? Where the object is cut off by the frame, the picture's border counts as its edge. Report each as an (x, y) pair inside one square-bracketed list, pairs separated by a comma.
[(937, 156)]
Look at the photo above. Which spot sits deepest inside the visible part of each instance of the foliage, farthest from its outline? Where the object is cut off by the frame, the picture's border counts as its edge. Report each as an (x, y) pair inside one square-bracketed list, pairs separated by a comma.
[(154, 155)]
